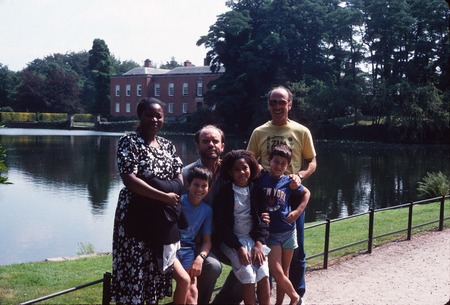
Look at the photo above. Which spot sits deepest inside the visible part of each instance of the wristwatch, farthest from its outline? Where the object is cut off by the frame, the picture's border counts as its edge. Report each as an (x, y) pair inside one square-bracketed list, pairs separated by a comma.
[(300, 176), (202, 256)]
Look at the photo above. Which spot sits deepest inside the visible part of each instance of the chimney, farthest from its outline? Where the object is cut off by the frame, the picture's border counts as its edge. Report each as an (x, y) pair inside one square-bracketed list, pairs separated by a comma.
[(187, 63), (148, 63)]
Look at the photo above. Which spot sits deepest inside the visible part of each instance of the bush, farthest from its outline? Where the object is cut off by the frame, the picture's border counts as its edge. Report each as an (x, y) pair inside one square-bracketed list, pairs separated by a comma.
[(53, 117), (20, 117), (434, 185), (83, 117)]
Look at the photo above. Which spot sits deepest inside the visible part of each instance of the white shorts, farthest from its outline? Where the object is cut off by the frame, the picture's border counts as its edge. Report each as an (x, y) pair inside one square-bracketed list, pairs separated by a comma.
[(249, 274)]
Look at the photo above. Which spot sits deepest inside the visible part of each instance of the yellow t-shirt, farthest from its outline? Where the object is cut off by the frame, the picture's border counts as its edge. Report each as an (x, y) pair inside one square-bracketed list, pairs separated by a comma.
[(293, 134)]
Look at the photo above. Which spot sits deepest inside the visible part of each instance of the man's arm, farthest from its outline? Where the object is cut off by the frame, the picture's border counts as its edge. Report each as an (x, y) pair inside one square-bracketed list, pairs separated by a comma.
[(308, 168)]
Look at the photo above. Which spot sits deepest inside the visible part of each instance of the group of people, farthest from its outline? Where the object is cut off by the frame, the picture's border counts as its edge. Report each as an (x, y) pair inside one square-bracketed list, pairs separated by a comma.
[(245, 209)]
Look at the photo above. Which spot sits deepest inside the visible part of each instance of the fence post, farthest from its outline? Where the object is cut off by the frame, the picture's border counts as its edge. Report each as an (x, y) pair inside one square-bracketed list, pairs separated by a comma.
[(441, 214), (371, 222), (327, 243), (106, 298), (410, 215)]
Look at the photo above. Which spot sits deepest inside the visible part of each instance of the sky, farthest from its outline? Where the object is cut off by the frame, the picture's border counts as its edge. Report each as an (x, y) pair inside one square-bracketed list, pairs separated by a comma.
[(133, 30)]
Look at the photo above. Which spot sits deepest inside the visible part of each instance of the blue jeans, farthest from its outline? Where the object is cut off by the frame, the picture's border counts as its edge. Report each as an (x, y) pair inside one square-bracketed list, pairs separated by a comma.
[(298, 263)]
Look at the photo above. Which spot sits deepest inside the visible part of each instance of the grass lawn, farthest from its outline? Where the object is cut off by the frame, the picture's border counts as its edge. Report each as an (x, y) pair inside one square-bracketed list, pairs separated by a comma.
[(23, 282)]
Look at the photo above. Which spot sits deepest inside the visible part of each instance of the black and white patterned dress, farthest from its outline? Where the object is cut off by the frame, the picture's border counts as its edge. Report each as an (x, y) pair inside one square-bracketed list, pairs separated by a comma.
[(136, 278)]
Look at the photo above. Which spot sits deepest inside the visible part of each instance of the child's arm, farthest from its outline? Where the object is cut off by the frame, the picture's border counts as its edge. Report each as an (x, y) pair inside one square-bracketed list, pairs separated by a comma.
[(196, 268), (300, 198)]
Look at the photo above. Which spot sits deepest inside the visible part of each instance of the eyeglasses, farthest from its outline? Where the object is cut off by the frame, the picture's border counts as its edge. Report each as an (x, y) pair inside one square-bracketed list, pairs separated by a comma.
[(281, 103)]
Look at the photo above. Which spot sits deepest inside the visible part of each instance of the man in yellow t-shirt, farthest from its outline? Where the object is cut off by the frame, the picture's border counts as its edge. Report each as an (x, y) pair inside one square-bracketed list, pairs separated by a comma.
[(281, 130)]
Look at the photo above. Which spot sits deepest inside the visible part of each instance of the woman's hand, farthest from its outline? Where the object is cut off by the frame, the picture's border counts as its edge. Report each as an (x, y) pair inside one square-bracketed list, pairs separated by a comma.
[(244, 256)]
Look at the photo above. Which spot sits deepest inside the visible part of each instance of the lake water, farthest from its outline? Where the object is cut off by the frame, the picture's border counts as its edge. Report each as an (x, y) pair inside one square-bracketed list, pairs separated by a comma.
[(65, 186)]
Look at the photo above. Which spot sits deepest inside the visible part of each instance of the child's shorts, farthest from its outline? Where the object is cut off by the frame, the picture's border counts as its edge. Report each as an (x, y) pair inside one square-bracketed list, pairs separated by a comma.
[(249, 274), (287, 240), (186, 257)]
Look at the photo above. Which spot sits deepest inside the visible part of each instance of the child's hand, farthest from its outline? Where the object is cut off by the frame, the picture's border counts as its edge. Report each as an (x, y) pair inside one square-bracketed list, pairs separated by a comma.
[(244, 256), (295, 181), (293, 216), (258, 256), (265, 217), (196, 268)]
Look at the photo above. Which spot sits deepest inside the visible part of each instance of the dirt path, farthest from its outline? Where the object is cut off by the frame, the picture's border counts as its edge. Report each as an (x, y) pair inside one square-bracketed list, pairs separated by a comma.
[(398, 273)]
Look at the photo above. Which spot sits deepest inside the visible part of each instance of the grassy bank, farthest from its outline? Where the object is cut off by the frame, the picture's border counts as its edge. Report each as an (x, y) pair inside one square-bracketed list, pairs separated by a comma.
[(22, 282)]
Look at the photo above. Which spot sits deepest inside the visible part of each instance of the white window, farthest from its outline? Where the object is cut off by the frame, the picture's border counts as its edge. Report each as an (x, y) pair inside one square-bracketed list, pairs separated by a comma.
[(128, 107), (185, 108), (199, 88), (117, 90), (157, 89), (185, 89), (128, 90), (170, 107), (139, 90), (171, 89), (117, 107)]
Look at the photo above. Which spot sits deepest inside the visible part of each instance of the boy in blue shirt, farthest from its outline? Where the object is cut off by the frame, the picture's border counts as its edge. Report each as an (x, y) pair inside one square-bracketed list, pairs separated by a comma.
[(285, 205), (196, 238)]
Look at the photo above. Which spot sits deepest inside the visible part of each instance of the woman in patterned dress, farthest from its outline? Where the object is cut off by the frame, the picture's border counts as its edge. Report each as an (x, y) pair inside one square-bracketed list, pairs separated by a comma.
[(137, 278)]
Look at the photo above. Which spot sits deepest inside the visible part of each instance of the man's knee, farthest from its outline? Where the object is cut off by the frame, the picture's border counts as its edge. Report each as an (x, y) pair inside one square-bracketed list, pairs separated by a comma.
[(211, 267)]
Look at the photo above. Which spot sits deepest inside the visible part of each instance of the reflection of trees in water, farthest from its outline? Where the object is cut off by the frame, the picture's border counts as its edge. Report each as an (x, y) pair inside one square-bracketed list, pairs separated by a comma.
[(78, 162), (352, 177)]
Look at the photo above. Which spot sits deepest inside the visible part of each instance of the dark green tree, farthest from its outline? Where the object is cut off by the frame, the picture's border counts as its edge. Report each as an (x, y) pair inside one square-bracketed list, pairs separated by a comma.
[(120, 67), (101, 68), (171, 65), (8, 81), (49, 85)]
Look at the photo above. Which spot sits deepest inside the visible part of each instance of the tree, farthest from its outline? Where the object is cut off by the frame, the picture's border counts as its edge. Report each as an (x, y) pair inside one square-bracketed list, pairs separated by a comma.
[(8, 81), (49, 85), (171, 65), (101, 68)]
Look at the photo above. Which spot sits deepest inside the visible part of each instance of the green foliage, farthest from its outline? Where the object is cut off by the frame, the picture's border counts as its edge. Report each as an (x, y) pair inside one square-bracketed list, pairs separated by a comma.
[(434, 185), (52, 117), (85, 248), (83, 117), (101, 68), (3, 179), (17, 117)]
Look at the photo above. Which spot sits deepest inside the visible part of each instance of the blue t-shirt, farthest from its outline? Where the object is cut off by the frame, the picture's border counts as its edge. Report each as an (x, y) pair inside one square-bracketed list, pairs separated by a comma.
[(277, 193), (199, 219)]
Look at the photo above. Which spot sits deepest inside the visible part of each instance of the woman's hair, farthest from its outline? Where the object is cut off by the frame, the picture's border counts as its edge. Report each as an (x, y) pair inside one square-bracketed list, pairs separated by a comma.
[(229, 159), (145, 103), (199, 172), (281, 150)]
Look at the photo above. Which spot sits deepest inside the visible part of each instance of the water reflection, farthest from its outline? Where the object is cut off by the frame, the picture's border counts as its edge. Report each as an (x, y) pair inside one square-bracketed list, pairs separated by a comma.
[(66, 186)]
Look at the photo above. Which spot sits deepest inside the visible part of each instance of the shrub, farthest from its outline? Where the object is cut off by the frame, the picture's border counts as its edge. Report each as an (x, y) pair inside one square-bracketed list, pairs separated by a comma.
[(434, 185), (53, 117)]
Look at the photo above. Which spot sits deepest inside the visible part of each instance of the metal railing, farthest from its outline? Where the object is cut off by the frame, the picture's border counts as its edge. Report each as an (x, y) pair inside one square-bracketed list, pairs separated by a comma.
[(106, 280)]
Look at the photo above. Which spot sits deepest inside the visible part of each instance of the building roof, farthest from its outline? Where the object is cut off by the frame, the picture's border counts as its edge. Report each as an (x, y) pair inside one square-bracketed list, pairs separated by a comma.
[(190, 70), (146, 71)]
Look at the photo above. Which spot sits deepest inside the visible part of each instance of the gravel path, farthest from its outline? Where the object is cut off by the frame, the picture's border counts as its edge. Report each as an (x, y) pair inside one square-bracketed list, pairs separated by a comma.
[(397, 273)]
